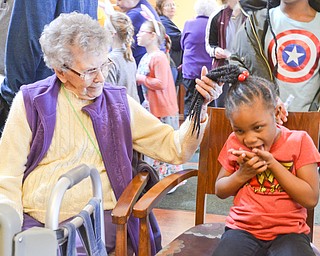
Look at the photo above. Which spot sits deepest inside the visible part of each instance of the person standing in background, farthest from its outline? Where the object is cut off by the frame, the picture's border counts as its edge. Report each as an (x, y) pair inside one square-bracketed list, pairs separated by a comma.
[(6, 7), (193, 46), (23, 60), (121, 29), (220, 34), (280, 42), (154, 74), (133, 8), (167, 10), (5, 14)]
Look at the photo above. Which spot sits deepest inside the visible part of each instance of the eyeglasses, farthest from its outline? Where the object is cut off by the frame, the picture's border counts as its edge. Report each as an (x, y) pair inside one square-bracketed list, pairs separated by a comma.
[(172, 5), (92, 73), (143, 31)]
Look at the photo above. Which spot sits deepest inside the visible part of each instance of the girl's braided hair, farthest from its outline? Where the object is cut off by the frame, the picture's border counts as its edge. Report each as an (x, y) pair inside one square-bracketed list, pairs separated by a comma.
[(239, 92)]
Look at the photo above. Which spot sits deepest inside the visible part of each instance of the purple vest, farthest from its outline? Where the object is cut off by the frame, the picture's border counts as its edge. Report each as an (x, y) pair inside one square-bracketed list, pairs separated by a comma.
[(110, 116)]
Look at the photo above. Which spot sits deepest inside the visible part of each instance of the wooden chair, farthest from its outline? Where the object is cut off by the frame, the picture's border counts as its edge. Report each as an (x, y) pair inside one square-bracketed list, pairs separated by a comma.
[(203, 238), (123, 210)]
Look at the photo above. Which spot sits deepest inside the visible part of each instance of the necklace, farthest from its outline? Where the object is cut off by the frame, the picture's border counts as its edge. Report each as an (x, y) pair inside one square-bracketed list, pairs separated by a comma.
[(80, 121)]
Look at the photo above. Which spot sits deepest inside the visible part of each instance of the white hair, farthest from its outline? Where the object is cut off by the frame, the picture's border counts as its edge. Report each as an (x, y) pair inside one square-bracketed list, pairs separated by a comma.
[(205, 7)]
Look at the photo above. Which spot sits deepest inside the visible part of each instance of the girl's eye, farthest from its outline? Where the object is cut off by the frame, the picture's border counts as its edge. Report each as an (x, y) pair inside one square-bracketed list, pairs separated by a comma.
[(258, 128), (238, 132)]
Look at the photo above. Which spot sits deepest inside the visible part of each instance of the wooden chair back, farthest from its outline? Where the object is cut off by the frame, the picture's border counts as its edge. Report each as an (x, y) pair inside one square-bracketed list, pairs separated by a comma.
[(217, 132)]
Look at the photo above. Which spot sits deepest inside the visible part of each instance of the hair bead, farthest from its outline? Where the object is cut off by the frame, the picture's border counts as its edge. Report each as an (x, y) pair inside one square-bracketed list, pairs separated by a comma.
[(243, 76)]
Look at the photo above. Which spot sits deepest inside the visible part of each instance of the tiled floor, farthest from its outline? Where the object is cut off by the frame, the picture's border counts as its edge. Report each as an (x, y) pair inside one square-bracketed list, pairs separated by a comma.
[(174, 222)]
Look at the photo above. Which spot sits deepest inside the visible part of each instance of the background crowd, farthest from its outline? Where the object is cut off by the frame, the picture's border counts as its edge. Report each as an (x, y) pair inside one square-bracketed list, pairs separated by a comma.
[(156, 60)]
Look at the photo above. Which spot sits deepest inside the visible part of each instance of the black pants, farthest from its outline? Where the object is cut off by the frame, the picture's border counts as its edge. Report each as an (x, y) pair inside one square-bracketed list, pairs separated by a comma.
[(4, 111), (241, 243)]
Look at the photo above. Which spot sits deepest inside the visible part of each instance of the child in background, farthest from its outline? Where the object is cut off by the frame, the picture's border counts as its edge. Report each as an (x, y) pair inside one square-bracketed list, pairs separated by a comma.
[(270, 170), (123, 69), (155, 75)]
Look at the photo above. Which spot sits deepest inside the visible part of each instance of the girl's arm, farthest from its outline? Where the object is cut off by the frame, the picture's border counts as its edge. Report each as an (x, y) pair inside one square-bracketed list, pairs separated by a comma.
[(159, 72), (302, 187), (228, 184)]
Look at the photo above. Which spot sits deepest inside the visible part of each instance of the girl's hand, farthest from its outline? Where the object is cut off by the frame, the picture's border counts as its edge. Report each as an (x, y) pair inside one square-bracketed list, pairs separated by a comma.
[(265, 155), (250, 162), (250, 168), (207, 88), (245, 155), (140, 79)]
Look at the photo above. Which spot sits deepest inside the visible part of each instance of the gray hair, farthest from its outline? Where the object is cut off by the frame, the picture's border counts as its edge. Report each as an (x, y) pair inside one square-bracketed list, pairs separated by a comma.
[(69, 31), (205, 7)]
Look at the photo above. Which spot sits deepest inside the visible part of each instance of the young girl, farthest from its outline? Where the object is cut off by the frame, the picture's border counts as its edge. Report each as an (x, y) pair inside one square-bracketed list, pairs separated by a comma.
[(155, 75), (123, 68), (271, 172)]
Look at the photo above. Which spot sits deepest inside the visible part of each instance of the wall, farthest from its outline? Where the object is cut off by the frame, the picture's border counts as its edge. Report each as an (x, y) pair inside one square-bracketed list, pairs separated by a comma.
[(184, 12)]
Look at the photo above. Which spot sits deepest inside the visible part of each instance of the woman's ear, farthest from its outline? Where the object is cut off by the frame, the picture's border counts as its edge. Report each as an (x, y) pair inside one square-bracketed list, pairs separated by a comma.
[(61, 75)]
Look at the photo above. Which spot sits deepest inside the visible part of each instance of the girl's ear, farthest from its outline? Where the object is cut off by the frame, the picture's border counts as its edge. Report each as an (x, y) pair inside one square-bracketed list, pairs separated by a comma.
[(278, 114), (61, 75)]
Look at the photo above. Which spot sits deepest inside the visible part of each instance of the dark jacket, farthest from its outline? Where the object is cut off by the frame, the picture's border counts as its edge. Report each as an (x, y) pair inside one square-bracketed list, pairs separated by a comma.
[(249, 45), (175, 35)]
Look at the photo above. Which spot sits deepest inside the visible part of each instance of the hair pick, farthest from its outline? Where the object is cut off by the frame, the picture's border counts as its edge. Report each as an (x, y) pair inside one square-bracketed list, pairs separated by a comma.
[(148, 15)]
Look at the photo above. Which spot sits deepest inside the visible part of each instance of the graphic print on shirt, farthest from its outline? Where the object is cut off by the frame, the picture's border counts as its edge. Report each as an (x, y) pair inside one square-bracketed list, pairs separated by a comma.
[(298, 55), (265, 182)]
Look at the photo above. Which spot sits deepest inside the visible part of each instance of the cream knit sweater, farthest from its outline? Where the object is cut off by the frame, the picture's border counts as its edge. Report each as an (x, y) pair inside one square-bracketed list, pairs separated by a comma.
[(70, 147)]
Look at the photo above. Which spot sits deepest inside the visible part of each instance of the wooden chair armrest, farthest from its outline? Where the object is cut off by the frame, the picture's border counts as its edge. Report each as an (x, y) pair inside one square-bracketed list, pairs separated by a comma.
[(151, 199), (123, 209)]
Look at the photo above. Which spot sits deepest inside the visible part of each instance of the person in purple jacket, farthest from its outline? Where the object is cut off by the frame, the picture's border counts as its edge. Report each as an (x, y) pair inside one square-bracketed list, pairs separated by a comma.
[(74, 117), (193, 46)]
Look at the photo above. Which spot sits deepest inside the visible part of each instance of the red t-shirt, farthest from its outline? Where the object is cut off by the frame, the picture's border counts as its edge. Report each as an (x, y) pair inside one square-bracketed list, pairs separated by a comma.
[(261, 206)]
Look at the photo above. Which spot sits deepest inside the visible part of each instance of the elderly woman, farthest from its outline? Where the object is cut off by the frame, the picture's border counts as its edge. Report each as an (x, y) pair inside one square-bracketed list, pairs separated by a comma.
[(74, 117), (166, 10)]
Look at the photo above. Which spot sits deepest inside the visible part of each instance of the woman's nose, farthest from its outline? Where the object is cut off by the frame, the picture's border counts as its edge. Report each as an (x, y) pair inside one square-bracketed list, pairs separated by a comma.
[(100, 78)]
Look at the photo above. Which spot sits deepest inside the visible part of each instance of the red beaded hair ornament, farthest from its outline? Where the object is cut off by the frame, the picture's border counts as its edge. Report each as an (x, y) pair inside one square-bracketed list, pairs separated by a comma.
[(243, 76)]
